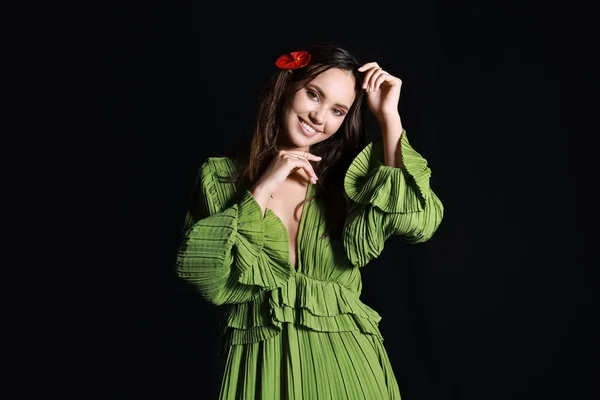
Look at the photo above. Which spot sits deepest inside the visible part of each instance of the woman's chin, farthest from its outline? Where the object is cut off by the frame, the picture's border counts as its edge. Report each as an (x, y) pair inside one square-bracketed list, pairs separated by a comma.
[(299, 140)]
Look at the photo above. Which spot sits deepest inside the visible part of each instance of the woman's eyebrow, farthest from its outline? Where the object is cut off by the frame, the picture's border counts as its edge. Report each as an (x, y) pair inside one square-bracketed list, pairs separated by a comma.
[(318, 89)]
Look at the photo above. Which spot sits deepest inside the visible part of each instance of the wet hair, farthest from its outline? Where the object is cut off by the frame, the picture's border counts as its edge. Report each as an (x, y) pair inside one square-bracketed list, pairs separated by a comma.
[(337, 151)]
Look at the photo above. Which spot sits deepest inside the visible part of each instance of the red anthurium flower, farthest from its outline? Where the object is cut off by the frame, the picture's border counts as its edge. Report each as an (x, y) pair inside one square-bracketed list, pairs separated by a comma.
[(293, 60)]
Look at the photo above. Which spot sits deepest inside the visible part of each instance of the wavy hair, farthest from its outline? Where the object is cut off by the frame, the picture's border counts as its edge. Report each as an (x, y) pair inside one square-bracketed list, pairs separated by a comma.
[(337, 151)]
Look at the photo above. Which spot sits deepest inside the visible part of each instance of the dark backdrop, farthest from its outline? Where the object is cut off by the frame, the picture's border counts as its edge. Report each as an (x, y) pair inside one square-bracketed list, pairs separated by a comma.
[(497, 305)]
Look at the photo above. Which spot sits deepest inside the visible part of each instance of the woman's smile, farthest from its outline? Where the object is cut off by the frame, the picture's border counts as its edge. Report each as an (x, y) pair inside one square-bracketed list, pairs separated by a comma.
[(308, 130)]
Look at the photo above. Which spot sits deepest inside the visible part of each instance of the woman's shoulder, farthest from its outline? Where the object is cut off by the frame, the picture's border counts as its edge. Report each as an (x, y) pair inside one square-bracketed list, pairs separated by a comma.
[(219, 177), (219, 164), (221, 167)]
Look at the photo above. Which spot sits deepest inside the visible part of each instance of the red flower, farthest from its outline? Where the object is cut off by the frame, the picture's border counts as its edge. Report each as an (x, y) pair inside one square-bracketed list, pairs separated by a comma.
[(293, 60)]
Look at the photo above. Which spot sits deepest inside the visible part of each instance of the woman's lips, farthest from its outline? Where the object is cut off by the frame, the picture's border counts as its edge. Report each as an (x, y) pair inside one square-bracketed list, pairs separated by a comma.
[(305, 131)]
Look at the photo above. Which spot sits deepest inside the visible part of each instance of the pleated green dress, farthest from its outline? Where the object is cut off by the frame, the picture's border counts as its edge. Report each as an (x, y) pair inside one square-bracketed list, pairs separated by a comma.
[(303, 333)]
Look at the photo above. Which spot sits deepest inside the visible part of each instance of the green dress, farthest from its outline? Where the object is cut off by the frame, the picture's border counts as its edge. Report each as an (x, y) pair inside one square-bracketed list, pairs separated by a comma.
[(303, 333)]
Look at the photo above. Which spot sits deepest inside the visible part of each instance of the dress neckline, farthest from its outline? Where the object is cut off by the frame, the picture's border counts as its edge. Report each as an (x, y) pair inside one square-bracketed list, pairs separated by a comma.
[(299, 232)]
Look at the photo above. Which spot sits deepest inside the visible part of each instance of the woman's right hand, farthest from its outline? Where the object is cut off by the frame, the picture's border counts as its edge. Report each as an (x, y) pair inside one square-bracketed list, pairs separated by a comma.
[(285, 163)]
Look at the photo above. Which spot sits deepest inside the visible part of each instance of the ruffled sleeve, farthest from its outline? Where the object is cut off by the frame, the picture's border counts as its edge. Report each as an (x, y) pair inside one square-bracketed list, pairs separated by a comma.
[(387, 201), (230, 255)]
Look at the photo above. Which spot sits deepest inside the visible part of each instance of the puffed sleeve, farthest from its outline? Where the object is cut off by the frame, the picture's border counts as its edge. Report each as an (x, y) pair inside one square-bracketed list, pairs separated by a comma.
[(386, 201), (232, 254)]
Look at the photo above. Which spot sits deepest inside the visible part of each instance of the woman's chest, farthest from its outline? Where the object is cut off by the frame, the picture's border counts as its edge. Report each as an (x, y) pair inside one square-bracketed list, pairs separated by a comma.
[(288, 204)]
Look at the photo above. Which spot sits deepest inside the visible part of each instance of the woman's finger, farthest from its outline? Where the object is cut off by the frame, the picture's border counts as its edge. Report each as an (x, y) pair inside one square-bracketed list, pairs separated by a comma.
[(297, 161), (376, 79), (305, 154), (370, 75), (309, 169), (380, 77), (370, 69), (368, 65)]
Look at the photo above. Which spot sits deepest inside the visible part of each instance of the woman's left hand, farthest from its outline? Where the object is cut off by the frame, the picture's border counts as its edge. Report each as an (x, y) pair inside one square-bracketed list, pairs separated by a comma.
[(383, 90)]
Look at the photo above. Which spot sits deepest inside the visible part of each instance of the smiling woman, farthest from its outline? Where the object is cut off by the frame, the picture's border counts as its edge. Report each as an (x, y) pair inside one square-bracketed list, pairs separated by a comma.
[(315, 110), (279, 235)]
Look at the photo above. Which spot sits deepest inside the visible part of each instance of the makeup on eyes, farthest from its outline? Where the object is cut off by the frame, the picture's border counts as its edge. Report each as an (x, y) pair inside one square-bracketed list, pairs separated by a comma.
[(320, 92)]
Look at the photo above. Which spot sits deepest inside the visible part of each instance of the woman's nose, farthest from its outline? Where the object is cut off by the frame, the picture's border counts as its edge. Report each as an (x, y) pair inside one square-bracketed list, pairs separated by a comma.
[(317, 116)]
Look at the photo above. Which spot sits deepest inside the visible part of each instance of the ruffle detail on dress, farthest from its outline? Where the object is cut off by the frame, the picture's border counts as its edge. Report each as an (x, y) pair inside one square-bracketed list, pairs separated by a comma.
[(317, 305), (261, 246), (393, 190)]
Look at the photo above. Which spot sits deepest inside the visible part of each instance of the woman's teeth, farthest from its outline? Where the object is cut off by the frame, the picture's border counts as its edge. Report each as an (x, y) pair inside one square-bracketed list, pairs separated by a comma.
[(307, 127)]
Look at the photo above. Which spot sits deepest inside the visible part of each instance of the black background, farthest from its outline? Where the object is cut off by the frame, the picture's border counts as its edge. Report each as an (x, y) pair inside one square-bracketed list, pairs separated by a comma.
[(497, 97)]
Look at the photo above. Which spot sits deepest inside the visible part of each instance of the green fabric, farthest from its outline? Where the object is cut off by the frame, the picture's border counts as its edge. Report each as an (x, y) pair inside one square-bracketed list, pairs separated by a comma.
[(235, 255), (316, 365)]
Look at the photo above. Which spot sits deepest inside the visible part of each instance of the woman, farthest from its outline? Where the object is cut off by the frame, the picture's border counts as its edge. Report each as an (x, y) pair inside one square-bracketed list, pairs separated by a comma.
[(279, 235)]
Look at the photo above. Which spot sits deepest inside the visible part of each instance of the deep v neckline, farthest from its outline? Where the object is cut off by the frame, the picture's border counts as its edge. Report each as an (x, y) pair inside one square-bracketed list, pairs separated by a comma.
[(298, 266)]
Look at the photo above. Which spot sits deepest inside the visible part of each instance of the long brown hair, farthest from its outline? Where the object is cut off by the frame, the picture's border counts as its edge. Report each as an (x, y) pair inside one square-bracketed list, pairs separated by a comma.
[(337, 151)]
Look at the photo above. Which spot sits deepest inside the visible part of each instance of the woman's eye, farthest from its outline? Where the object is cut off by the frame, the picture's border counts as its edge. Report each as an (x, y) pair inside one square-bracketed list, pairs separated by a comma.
[(338, 113), (312, 95)]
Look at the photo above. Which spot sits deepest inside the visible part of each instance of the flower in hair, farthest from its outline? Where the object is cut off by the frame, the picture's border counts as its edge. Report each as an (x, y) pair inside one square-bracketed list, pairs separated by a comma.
[(293, 60)]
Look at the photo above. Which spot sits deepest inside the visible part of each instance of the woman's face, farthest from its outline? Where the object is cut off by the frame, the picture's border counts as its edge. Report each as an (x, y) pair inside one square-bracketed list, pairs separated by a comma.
[(314, 111)]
